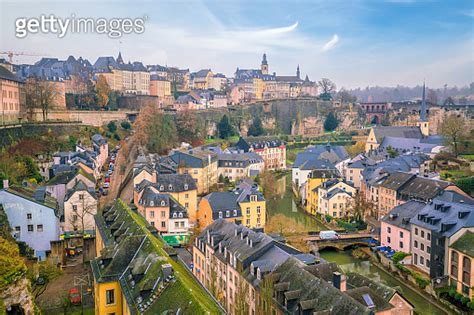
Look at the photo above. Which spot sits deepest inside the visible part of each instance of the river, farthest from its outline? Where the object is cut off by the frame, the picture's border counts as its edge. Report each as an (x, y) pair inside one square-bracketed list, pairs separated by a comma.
[(285, 209)]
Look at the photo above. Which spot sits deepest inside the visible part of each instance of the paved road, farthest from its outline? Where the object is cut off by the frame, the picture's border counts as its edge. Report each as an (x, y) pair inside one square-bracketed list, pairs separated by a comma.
[(185, 255)]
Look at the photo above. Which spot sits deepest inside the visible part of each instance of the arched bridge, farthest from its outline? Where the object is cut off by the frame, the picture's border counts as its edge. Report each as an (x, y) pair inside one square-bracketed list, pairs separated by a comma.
[(344, 241)]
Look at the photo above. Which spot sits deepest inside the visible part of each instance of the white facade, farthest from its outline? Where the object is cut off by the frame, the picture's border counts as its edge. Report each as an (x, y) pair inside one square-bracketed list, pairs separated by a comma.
[(79, 211)]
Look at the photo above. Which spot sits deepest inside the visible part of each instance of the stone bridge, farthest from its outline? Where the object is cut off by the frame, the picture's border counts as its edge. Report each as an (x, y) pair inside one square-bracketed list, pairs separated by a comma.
[(344, 241)]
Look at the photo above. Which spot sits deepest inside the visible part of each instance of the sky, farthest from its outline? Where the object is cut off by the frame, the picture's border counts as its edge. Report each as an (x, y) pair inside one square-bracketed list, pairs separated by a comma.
[(354, 43)]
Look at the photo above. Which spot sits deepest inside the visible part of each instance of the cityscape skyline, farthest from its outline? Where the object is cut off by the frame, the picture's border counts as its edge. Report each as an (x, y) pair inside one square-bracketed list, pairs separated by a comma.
[(348, 43)]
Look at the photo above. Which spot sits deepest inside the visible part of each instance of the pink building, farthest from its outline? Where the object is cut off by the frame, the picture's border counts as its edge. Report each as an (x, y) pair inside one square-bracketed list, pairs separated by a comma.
[(395, 226)]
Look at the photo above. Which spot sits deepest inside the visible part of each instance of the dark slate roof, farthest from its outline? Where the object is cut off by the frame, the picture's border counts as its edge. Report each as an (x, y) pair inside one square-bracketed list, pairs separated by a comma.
[(5, 74), (396, 180), (401, 215), (151, 198), (464, 244), (366, 296), (333, 153), (310, 292), (336, 191), (355, 280), (324, 271), (238, 159), (193, 158), (453, 196), (80, 186), (397, 131), (224, 204), (97, 138), (175, 183), (315, 164), (422, 188), (445, 217)]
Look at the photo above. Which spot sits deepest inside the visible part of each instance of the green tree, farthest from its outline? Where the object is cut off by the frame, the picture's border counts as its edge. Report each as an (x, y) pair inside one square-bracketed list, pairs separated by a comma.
[(161, 134), (256, 128), (392, 153), (453, 128), (331, 122), (112, 126), (224, 128), (12, 266), (125, 125)]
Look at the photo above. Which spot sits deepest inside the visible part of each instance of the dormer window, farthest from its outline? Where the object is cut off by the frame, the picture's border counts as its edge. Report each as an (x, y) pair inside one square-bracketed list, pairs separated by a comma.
[(162, 188), (185, 186), (175, 215), (235, 213), (253, 198), (152, 203), (180, 215), (220, 214), (163, 203), (227, 213), (170, 187)]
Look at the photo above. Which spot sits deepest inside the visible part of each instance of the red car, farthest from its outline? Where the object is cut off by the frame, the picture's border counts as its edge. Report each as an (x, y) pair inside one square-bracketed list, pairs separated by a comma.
[(75, 296), (107, 180)]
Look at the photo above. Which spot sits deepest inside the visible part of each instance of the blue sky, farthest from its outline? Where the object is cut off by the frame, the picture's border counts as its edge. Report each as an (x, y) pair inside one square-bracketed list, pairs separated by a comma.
[(355, 43)]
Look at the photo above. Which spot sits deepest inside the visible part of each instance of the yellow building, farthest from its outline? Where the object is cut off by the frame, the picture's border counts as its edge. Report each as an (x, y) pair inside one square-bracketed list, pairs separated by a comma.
[(201, 165), (131, 275), (259, 88), (245, 205), (315, 179)]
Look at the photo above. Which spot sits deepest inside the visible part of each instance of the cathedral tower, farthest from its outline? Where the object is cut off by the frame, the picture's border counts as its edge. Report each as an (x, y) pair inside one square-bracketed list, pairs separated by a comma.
[(264, 66), (423, 122)]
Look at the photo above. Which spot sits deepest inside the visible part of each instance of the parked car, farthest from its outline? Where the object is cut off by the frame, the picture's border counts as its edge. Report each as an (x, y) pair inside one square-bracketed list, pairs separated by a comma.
[(106, 184), (110, 172), (74, 296), (105, 192)]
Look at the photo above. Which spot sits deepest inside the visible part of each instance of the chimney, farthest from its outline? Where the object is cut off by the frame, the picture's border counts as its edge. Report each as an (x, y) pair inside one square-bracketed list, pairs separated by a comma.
[(339, 281), (5, 184)]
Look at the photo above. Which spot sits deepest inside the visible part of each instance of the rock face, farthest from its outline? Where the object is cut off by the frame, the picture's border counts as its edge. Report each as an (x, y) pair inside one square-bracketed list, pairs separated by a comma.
[(19, 295)]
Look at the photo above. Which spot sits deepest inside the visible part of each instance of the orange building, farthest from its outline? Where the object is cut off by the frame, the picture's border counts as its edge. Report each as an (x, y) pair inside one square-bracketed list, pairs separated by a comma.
[(10, 96)]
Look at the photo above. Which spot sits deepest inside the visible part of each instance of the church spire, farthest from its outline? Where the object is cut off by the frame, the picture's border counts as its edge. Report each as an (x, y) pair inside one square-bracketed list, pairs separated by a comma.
[(264, 65), (423, 104), (264, 59), (298, 71), (119, 58)]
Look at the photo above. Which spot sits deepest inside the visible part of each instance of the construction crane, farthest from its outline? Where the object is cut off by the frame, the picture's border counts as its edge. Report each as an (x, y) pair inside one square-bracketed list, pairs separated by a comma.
[(10, 54)]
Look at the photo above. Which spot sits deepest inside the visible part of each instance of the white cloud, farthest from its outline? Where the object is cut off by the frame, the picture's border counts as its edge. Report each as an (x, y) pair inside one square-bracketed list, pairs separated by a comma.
[(330, 44), (469, 13)]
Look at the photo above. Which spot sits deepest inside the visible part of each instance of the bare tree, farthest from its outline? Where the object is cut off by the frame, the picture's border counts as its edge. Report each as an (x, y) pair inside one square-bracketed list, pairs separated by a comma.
[(80, 214), (326, 85), (360, 206), (40, 94), (453, 128)]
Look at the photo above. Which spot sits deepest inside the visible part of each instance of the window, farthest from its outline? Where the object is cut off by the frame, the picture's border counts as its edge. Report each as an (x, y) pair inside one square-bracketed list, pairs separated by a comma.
[(152, 214), (422, 233), (401, 244), (415, 259), (29, 216), (389, 230), (248, 221), (428, 263), (227, 213), (163, 224), (186, 188), (454, 264), (74, 207), (176, 225), (30, 227), (110, 297), (17, 228), (422, 246), (163, 214), (428, 249), (152, 223), (235, 213), (182, 224), (388, 239), (466, 267), (220, 214), (39, 228), (186, 205), (258, 209), (195, 172), (81, 197), (428, 236), (401, 234), (415, 244), (416, 231), (422, 260)]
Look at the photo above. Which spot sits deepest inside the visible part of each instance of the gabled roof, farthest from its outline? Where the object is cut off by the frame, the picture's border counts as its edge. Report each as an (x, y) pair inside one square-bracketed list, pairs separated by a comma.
[(369, 298), (423, 188), (35, 194), (396, 180), (5, 74), (80, 186), (397, 131), (401, 215)]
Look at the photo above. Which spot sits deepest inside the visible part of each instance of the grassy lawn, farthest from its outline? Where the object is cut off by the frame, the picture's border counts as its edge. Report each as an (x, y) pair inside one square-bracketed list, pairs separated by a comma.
[(469, 157), (453, 175), (186, 281)]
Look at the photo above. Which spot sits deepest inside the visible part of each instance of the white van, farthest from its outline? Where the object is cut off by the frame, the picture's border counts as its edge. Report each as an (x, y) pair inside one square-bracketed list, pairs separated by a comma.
[(328, 235)]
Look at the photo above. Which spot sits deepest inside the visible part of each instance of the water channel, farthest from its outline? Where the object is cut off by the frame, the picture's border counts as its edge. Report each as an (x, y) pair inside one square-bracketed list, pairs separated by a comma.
[(285, 208)]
